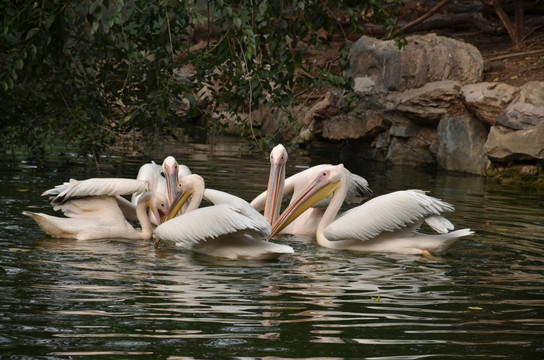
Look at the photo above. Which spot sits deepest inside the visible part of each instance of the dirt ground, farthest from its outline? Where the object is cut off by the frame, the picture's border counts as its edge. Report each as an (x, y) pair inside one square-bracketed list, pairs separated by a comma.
[(505, 63)]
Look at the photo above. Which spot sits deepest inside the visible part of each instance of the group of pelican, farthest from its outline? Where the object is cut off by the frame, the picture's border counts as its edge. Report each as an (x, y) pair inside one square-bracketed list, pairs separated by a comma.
[(170, 197)]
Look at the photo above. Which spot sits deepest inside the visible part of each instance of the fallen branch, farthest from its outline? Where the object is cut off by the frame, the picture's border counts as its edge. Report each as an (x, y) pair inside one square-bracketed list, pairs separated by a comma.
[(511, 55), (410, 25)]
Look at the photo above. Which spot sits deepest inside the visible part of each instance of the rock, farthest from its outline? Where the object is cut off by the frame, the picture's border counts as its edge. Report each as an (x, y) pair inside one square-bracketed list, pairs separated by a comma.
[(406, 130), (324, 109), (461, 144), (381, 141), (363, 85), (424, 59), (401, 126), (488, 100), (532, 93), (411, 151), (304, 137), (360, 126), (278, 123), (428, 104), (412, 147), (520, 116), (528, 110), (504, 144)]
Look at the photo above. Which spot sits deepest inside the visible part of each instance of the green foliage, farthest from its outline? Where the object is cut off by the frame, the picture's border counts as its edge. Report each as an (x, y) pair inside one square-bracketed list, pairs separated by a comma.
[(88, 74)]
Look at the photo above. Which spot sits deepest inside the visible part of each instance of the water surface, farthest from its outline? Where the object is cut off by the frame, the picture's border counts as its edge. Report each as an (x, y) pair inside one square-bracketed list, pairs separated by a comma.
[(125, 299)]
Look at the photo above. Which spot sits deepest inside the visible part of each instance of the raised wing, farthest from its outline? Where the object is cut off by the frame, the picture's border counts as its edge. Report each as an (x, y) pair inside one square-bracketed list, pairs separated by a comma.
[(388, 212), (95, 187), (358, 190), (99, 208)]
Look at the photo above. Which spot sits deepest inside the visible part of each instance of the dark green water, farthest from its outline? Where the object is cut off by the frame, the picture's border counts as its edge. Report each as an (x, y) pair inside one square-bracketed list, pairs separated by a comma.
[(125, 299)]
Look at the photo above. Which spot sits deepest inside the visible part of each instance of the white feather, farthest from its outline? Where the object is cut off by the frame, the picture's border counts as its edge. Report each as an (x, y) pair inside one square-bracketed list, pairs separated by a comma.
[(388, 212), (95, 187), (231, 228)]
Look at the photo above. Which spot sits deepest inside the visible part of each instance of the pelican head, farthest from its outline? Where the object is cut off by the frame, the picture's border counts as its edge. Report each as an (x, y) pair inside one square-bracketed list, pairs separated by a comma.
[(326, 183), (170, 170), (156, 202), (189, 185), (276, 180)]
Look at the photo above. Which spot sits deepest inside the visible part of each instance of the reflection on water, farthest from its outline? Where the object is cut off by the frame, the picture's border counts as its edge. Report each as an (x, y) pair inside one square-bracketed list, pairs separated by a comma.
[(124, 298)]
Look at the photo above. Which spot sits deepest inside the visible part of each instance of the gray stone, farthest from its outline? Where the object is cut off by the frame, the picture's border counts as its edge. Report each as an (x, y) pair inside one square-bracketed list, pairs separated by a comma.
[(360, 126), (321, 110), (424, 59), (381, 141), (428, 104), (461, 144), (504, 144), (402, 126), (412, 151), (532, 93), (363, 85), (519, 116), (488, 100)]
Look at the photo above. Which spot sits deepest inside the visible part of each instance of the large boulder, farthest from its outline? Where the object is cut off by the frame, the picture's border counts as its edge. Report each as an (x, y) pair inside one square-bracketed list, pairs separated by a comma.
[(322, 110), (488, 100), (354, 126), (521, 116), (532, 93), (504, 144), (379, 66), (426, 105), (518, 133), (461, 144), (413, 150), (527, 111)]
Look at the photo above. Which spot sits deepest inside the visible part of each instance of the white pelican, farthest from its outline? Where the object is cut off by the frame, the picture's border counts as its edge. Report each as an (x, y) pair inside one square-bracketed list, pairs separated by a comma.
[(387, 223), (95, 209), (163, 179), (230, 229), (279, 187)]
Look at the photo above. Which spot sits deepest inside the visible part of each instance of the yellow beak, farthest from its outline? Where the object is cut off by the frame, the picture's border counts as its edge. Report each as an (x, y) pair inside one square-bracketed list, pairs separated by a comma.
[(178, 203), (318, 190)]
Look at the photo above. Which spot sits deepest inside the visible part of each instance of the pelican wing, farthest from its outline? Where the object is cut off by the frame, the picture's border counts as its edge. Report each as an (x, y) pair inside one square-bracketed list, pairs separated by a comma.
[(99, 208), (95, 187), (358, 190), (240, 206), (439, 224), (127, 208), (208, 223), (388, 212), (183, 170), (151, 173)]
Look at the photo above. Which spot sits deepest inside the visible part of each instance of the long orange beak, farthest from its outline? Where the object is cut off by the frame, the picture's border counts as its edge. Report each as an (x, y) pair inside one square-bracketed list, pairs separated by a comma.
[(274, 192), (318, 190), (171, 177)]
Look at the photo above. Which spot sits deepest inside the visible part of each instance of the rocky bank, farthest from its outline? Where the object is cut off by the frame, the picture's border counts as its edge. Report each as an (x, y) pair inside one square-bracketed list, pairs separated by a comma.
[(427, 104)]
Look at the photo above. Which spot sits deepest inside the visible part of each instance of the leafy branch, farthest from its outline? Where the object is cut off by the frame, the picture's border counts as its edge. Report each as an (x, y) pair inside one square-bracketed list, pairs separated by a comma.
[(90, 74)]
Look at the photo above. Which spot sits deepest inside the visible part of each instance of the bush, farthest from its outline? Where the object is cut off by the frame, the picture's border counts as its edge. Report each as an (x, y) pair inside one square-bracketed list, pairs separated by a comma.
[(89, 74)]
